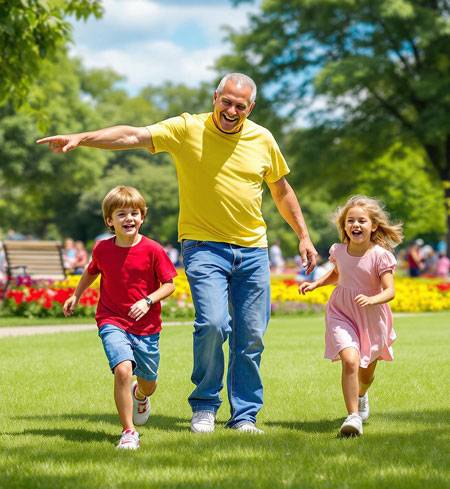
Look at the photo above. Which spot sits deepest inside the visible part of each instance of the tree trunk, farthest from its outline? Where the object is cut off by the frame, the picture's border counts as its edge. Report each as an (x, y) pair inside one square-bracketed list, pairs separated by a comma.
[(446, 183)]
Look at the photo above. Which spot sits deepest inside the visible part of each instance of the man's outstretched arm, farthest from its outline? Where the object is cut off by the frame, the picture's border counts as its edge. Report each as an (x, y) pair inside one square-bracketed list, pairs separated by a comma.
[(289, 207), (116, 137)]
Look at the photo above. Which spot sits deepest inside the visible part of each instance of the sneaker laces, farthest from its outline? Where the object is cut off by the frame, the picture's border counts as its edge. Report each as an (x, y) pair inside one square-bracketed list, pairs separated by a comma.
[(128, 436)]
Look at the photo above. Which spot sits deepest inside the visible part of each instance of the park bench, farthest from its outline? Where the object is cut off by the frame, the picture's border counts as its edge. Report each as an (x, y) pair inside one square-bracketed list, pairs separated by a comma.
[(39, 260)]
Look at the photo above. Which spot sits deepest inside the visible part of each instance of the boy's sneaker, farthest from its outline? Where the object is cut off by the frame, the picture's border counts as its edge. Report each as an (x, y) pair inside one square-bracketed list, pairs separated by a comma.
[(247, 427), (363, 407), (141, 409), (352, 426), (129, 440), (202, 422)]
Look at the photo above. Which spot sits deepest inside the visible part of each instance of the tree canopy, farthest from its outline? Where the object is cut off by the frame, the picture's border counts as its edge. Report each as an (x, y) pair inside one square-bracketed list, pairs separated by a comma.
[(31, 31), (379, 68)]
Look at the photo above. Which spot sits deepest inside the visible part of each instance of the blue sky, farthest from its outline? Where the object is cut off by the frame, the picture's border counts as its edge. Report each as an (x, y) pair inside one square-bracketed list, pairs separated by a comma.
[(152, 41)]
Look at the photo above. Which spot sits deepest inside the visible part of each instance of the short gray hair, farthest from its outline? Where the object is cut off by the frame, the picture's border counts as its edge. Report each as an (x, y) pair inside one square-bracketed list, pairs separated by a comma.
[(239, 79)]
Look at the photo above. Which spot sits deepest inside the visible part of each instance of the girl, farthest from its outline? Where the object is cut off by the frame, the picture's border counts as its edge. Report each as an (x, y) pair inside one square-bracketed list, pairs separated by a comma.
[(358, 320)]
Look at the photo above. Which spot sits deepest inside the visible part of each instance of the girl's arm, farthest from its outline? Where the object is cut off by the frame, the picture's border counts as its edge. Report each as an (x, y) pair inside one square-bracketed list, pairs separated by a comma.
[(387, 283), (331, 278), (141, 307), (85, 281)]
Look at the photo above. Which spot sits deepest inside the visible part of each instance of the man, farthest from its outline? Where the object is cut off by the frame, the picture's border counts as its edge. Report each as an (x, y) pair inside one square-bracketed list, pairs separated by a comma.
[(222, 159)]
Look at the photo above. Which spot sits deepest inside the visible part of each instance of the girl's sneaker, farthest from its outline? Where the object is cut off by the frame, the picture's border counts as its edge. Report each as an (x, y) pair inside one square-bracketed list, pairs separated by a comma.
[(363, 407), (352, 426), (129, 440), (141, 409)]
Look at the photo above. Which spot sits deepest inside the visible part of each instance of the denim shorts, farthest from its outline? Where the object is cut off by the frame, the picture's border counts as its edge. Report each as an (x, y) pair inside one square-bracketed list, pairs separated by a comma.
[(141, 351)]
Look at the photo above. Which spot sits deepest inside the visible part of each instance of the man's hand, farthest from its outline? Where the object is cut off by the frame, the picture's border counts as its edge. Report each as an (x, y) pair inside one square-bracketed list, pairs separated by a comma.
[(61, 144), (139, 309), (69, 305), (308, 255)]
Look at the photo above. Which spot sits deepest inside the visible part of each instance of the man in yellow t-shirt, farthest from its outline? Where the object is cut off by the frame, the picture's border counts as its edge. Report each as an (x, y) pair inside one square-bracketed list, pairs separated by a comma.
[(222, 159)]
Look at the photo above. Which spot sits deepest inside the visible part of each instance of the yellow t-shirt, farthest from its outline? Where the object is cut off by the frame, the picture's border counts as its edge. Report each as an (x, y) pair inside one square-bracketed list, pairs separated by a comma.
[(220, 177)]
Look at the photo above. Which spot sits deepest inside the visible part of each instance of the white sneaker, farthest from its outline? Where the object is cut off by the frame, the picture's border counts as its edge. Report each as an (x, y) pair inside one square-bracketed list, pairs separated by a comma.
[(247, 427), (129, 440), (202, 422), (352, 426), (363, 407), (141, 409)]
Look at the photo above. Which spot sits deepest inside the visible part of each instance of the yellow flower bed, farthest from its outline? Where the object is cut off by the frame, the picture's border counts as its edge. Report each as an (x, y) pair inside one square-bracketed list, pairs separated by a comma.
[(417, 295), (412, 295)]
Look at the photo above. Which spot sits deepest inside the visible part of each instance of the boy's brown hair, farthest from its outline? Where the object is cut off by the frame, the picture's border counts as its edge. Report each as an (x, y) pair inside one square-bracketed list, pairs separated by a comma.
[(122, 197)]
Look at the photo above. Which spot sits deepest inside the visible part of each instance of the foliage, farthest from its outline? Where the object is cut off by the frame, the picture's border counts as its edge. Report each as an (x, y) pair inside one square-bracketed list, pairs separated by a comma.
[(39, 189), (377, 70), (31, 31), (317, 212), (411, 194)]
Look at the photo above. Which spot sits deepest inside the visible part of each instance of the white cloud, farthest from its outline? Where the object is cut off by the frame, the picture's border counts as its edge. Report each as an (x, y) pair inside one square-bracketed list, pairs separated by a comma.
[(152, 42), (154, 63), (146, 15)]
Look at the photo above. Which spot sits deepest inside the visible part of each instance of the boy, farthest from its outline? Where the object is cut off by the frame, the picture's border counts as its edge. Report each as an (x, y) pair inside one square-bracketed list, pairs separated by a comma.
[(136, 274)]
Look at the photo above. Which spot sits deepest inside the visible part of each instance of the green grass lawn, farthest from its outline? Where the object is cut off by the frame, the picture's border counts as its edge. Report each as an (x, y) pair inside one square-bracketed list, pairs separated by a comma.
[(58, 424)]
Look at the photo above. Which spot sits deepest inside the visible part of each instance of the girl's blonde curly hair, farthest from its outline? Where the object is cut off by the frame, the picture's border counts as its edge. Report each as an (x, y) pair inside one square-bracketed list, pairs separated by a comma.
[(387, 235)]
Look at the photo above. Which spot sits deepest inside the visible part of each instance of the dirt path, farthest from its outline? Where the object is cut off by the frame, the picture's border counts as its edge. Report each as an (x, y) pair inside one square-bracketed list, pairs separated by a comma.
[(69, 328)]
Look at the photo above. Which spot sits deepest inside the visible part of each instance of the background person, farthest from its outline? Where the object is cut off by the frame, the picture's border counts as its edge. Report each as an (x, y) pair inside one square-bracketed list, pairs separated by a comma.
[(222, 160), (173, 254), (443, 266), (414, 258), (276, 258), (81, 258), (69, 254)]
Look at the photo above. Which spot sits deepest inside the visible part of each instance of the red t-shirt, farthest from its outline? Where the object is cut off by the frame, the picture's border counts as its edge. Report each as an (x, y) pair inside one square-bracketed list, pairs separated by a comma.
[(128, 275)]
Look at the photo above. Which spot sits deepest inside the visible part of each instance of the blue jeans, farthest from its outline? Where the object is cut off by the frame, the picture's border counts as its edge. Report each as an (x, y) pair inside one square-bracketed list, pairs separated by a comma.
[(230, 288)]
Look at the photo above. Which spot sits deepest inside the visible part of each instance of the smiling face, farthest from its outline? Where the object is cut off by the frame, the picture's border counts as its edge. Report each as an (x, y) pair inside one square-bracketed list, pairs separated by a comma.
[(359, 227), (232, 106), (126, 222)]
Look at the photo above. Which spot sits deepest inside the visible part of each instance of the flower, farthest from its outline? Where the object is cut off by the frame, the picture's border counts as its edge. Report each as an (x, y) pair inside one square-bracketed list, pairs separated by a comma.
[(43, 299)]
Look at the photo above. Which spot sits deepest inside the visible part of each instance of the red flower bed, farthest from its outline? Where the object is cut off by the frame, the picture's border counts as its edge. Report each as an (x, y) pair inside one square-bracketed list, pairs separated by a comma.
[(46, 301)]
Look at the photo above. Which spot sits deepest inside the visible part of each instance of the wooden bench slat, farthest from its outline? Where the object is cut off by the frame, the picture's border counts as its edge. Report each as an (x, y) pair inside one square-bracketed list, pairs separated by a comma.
[(39, 259)]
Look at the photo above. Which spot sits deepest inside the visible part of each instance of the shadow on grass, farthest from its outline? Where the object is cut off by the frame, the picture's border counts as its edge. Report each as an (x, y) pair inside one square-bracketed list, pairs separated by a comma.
[(229, 460), (405, 453), (437, 417), (156, 421), (428, 418), (319, 426), (75, 434)]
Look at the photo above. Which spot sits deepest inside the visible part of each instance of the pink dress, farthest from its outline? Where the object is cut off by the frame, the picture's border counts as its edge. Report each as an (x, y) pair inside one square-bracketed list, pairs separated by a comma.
[(368, 329)]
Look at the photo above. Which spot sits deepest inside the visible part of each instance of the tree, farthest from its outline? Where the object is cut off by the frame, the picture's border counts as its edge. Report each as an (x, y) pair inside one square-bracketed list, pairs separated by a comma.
[(48, 195), (31, 31), (381, 66), (40, 190)]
